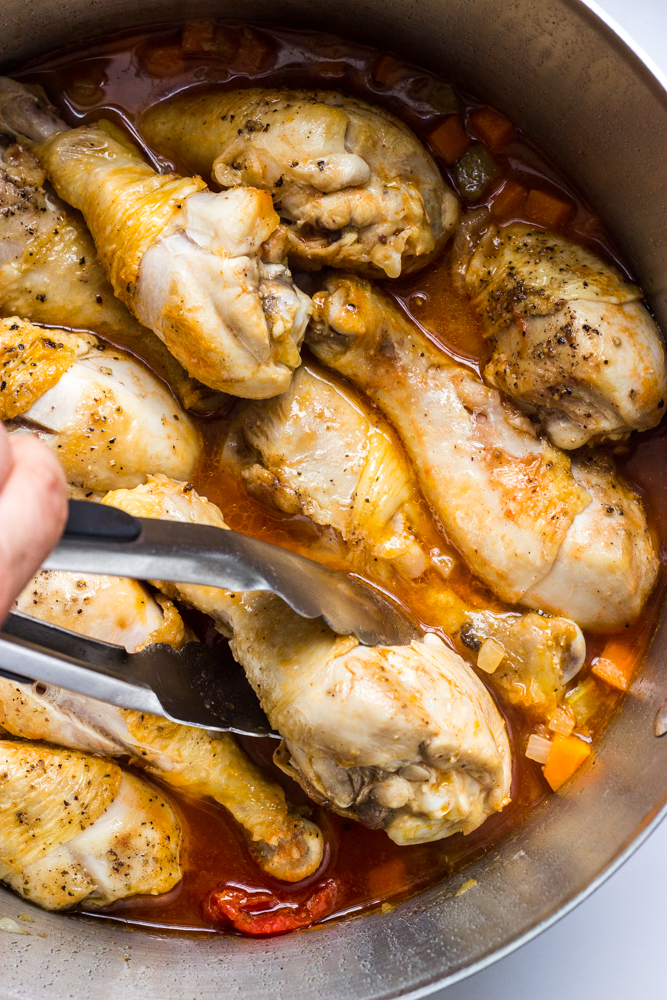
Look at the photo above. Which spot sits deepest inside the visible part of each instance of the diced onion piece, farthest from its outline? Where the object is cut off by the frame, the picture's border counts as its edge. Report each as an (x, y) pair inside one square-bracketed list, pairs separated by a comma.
[(562, 721), (538, 748), (567, 754), (585, 700), (443, 563), (9, 926), (490, 656)]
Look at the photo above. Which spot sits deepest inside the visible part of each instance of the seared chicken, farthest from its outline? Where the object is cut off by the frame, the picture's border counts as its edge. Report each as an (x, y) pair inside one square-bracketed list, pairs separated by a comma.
[(507, 499), (50, 273), (285, 844), (74, 827), (354, 185), (406, 739), (607, 563), (123, 611), (572, 341), (190, 264), (318, 451), (108, 420), (111, 608)]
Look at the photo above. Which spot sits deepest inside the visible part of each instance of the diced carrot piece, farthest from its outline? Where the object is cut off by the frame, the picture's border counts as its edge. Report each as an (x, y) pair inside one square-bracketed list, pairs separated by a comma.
[(547, 210), (566, 755), (508, 200), (607, 671), (254, 51), (198, 37), (617, 664), (167, 60), (208, 38), (387, 70), (450, 139), (492, 128)]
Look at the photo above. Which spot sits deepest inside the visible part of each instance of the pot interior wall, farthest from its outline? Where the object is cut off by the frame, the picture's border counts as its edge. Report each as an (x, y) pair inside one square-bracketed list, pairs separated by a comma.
[(590, 103)]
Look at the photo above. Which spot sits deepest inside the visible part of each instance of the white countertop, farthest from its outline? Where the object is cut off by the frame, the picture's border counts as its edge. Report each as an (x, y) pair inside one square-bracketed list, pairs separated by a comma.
[(614, 945)]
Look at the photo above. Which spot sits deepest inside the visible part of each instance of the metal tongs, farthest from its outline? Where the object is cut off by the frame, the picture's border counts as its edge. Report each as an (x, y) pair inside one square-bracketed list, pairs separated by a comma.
[(197, 685)]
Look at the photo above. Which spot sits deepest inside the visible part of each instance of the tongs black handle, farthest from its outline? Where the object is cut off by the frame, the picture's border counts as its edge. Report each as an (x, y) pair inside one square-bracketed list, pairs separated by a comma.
[(97, 520)]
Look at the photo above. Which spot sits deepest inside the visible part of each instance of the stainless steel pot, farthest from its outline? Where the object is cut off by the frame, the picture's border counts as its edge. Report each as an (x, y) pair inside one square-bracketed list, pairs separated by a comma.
[(601, 114)]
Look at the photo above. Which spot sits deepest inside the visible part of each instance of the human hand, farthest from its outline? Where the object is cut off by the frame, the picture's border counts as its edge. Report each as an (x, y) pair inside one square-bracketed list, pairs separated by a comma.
[(33, 510)]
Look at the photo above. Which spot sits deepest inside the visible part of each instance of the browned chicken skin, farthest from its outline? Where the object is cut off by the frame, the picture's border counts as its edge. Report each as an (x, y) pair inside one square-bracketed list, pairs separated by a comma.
[(320, 452), (105, 416), (50, 273), (354, 185), (189, 264), (75, 827), (404, 738), (435, 467), (285, 844), (573, 342), (521, 515)]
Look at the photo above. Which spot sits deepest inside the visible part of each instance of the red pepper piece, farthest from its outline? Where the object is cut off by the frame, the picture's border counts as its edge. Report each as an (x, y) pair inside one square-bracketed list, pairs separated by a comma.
[(263, 913)]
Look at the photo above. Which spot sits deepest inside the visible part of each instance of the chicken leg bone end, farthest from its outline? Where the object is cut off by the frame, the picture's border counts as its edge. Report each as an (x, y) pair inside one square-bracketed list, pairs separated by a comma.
[(233, 321), (25, 114)]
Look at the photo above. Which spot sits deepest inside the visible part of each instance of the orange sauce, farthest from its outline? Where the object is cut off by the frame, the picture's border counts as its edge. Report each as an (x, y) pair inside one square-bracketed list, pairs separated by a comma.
[(119, 78), (369, 869)]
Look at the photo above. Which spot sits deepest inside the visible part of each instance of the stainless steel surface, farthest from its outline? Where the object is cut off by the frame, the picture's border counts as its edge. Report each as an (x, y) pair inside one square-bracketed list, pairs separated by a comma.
[(592, 104), (194, 685), (201, 553)]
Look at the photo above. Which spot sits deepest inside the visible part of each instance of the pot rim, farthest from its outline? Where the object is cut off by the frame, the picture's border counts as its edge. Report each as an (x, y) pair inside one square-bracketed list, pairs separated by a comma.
[(519, 942)]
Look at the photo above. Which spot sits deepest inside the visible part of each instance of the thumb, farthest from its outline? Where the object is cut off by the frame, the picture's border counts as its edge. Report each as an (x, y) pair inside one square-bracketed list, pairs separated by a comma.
[(33, 510)]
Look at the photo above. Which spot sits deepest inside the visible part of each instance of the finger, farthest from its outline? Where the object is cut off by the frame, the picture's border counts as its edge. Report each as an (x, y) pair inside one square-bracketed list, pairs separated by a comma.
[(5, 455), (33, 511)]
